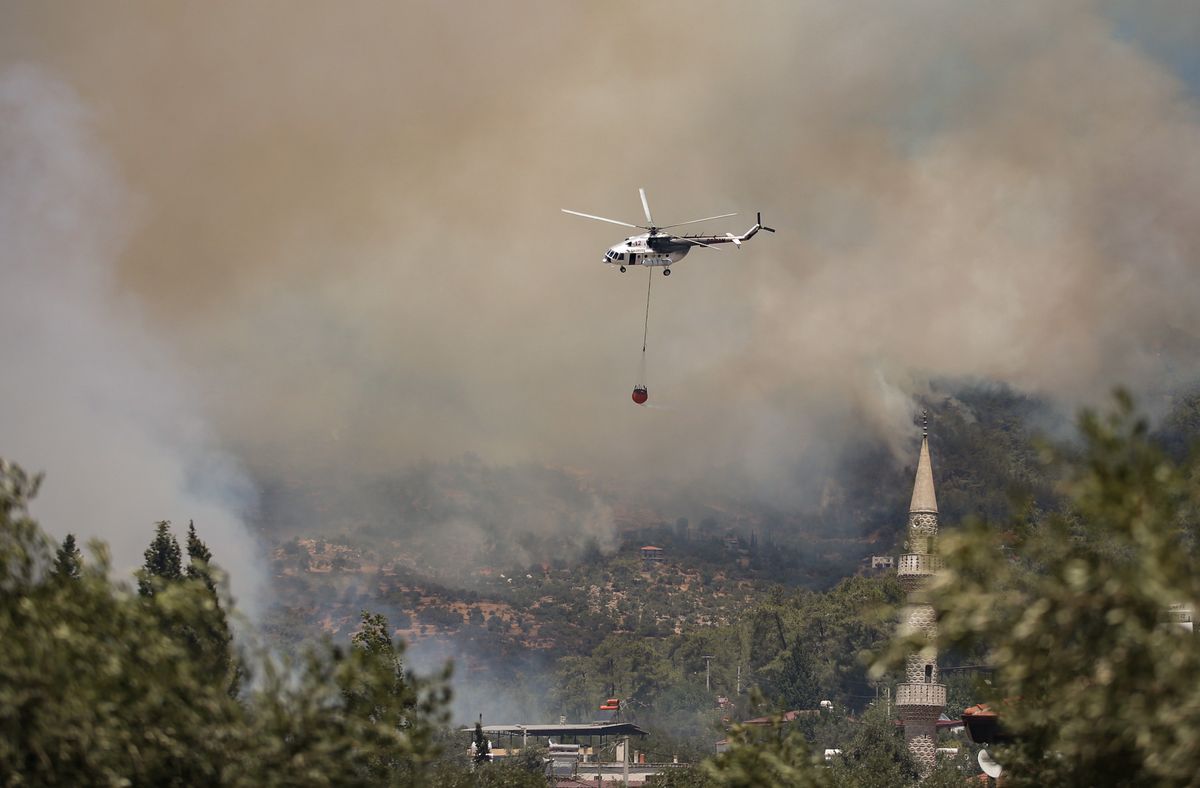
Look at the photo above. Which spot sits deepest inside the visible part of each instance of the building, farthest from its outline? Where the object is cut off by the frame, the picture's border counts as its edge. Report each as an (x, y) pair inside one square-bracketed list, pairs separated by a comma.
[(880, 563), (652, 555), (983, 725), (921, 698), (592, 754)]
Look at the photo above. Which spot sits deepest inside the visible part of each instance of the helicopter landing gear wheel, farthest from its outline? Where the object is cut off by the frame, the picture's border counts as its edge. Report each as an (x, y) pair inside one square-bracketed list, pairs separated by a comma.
[(622, 269), (666, 272)]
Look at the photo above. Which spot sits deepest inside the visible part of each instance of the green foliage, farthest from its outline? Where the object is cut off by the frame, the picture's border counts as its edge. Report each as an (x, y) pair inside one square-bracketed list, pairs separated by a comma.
[(1091, 678), (503, 774), (100, 685), (440, 616), (374, 684), (874, 755), (199, 558), (764, 758), (164, 561), (68, 561), (23, 546), (205, 628), (798, 687), (693, 776)]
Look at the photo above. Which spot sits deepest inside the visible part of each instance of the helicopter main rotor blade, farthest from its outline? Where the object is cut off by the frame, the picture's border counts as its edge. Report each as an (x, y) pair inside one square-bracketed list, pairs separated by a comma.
[(695, 221), (692, 241), (602, 219), (646, 207)]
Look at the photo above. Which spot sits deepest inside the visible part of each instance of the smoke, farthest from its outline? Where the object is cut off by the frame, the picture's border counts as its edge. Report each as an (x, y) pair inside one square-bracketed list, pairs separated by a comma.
[(450, 519), (88, 393), (350, 220), (503, 688)]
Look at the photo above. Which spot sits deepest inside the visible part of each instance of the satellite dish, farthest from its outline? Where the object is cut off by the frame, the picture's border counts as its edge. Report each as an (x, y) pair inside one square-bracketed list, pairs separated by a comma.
[(989, 765)]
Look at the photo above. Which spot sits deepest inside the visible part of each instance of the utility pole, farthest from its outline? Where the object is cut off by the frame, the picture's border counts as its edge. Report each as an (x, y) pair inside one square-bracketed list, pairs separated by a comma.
[(708, 658), (625, 763)]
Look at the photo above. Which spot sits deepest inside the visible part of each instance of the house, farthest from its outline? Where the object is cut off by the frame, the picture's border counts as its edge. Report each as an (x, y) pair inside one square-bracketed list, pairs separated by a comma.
[(652, 555)]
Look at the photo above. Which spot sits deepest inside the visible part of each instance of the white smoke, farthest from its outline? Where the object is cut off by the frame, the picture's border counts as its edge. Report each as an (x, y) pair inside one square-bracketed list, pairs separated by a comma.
[(88, 394)]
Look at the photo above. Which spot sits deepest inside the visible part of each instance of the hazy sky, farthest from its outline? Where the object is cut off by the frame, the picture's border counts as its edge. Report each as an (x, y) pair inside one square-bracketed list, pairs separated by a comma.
[(303, 238)]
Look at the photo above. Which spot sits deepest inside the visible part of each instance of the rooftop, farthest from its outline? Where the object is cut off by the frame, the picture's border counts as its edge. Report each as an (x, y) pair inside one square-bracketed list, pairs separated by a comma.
[(574, 729)]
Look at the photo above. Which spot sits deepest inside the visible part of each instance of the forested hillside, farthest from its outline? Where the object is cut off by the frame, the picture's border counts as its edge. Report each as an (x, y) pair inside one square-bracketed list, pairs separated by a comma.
[(541, 627), (716, 633)]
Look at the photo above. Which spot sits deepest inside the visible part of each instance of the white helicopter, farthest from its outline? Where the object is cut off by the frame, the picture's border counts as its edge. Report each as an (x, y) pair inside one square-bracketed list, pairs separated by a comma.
[(657, 248)]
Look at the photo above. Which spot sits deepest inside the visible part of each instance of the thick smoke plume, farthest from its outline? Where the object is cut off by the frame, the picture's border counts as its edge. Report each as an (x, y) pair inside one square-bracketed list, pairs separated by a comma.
[(88, 394), (350, 219)]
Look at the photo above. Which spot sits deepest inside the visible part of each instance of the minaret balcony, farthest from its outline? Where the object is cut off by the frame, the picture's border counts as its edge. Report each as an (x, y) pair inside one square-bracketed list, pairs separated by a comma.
[(918, 564), (928, 695)]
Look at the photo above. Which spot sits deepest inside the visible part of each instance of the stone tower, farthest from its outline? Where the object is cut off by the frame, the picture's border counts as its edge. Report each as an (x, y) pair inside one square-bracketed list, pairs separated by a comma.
[(921, 698)]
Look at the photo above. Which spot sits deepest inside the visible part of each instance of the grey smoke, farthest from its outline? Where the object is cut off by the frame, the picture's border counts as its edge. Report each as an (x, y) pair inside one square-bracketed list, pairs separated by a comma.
[(349, 220), (89, 394)]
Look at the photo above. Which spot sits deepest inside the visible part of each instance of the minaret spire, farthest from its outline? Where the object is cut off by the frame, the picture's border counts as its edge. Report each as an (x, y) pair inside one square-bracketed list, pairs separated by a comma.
[(923, 497), (920, 699)]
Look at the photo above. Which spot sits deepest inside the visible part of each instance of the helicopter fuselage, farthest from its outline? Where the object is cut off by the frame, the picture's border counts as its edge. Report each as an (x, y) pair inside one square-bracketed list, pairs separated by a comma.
[(644, 250)]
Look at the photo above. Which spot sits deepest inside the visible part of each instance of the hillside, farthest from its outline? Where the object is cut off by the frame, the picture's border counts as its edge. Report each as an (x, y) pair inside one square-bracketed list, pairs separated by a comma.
[(511, 571)]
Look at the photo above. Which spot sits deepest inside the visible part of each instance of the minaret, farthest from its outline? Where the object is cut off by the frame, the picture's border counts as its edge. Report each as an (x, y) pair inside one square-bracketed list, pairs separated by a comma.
[(920, 699)]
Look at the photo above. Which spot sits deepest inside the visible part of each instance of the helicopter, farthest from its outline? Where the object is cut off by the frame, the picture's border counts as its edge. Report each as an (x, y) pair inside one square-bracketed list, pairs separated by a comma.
[(655, 248)]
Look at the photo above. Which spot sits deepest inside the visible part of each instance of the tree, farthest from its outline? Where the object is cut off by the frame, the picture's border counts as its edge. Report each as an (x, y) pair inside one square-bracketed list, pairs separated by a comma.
[(68, 561), (798, 687), (199, 559), (1093, 680), (766, 758), (205, 631), (164, 562), (385, 699), (694, 776), (376, 689), (94, 690), (483, 751), (875, 755)]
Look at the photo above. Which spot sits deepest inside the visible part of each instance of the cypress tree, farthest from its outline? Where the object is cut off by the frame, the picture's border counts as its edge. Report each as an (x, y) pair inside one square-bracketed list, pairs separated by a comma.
[(798, 684), (163, 559), (483, 753), (199, 558), (68, 561)]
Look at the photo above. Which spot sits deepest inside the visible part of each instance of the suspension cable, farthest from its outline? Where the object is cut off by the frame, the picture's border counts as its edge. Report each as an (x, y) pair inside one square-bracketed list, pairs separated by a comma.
[(646, 329)]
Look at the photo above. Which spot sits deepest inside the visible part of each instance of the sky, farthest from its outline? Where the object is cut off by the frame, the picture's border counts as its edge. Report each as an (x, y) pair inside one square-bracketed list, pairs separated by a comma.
[(295, 241)]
